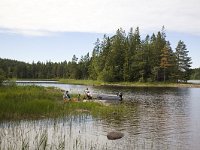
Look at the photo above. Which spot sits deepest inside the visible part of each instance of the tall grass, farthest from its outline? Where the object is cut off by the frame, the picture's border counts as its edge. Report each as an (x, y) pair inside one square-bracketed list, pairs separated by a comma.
[(32, 102), (28, 101)]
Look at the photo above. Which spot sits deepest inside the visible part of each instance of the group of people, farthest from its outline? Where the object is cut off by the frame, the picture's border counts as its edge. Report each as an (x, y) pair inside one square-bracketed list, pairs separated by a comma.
[(88, 95), (67, 97)]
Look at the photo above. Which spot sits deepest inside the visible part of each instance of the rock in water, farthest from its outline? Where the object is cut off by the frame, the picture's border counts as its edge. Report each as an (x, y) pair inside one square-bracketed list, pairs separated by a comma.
[(114, 135)]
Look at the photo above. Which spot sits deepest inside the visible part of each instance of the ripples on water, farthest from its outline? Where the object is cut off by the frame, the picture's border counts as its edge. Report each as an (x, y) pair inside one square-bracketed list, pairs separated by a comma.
[(161, 118)]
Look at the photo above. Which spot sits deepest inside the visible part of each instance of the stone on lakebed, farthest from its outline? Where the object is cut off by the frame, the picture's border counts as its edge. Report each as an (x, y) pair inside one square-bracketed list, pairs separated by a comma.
[(114, 135)]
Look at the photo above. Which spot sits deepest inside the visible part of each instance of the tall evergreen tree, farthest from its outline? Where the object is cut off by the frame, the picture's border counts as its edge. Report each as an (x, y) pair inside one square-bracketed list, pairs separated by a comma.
[(165, 59), (113, 70), (183, 62), (94, 66), (135, 54), (116, 58)]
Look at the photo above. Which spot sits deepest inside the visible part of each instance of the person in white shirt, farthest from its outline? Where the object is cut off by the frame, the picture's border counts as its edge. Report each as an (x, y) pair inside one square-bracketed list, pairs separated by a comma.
[(88, 94)]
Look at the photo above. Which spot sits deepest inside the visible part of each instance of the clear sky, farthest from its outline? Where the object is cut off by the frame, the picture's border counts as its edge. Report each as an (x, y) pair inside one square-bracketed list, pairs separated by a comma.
[(43, 30)]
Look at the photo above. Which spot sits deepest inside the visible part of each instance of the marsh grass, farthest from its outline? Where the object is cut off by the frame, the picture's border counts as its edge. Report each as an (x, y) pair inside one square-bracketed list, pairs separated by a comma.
[(34, 102), (28, 101), (99, 110)]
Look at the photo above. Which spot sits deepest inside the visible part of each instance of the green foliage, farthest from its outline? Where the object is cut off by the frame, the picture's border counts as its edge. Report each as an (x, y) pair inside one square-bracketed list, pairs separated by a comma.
[(28, 101), (183, 62), (166, 61), (81, 82), (32, 102), (2, 76), (118, 58), (195, 74)]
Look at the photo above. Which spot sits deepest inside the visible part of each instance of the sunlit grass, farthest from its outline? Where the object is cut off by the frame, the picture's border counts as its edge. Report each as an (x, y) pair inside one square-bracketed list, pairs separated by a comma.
[(28, 101), (31, 102)]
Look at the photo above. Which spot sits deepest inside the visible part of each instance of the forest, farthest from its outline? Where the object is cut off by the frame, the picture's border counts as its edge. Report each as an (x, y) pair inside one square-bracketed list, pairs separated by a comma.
[(121, 57), (195, 75)]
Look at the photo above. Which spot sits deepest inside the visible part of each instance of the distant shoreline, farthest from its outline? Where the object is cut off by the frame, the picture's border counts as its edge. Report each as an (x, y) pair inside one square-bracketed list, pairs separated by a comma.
[(128, 84), (118, 84)]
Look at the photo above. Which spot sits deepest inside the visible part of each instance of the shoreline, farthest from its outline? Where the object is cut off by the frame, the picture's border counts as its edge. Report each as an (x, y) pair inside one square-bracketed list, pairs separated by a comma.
[(116, 84), (128, 84), (157, 85)]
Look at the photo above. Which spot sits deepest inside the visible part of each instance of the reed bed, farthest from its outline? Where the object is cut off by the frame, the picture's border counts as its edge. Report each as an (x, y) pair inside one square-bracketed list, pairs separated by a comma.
[(32, 102), (33, 117), (28, 101)]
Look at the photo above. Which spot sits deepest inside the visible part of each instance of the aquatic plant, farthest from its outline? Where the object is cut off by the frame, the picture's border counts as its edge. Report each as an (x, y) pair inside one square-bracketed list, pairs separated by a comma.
[(28, 101), (32, 102)]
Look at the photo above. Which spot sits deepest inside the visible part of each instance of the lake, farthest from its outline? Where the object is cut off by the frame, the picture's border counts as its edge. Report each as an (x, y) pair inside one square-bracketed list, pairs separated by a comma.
[(165, 118)]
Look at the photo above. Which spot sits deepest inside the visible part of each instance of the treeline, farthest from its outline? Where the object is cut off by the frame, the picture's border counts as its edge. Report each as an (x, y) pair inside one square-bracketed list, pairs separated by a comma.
[(129, 58), (121, 57), (48, 70), (195, 75)]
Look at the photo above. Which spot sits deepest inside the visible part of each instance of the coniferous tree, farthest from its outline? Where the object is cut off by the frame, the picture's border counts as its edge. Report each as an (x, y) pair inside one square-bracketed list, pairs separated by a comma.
[(116, 58), (183, 62), (145, 71), (94, 66), (165, 60), (73, 69), (104, 57), (195, 74), (113, 70), (135, 55)]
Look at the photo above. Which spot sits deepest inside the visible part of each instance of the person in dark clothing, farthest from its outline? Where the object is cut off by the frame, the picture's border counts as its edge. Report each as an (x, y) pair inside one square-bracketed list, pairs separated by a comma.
[(120, 96), (66, 96)]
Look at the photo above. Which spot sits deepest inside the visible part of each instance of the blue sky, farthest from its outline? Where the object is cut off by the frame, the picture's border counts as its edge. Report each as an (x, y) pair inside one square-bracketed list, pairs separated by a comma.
[(43, 30), (55, 48)]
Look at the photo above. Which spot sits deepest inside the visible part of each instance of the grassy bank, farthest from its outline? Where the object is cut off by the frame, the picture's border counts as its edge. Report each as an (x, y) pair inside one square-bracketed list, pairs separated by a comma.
[(28, 101), (32, 102), (127, 84)]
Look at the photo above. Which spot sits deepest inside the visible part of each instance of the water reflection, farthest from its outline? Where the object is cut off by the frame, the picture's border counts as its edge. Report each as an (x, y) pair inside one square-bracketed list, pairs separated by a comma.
[(160, 118)]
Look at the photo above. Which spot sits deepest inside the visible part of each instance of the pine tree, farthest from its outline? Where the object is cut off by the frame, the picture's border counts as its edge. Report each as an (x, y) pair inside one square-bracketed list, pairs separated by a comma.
[(165, 59), (135, 53), (183, 62), (116, 59), (94, 66)]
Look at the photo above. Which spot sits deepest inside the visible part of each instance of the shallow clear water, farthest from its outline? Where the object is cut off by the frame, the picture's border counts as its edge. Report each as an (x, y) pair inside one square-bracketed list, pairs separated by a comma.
[(165, 118)]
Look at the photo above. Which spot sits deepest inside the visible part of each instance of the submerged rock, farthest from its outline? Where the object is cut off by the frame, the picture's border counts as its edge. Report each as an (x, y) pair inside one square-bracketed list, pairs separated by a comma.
[(114, 135)]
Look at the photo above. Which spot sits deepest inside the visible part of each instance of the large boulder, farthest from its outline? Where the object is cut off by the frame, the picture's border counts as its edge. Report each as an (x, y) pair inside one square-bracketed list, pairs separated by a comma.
[(114, 135)]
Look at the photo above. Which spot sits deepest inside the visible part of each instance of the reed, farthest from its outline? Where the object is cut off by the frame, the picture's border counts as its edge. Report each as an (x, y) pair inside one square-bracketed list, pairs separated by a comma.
[(29, 102), (34, 102)]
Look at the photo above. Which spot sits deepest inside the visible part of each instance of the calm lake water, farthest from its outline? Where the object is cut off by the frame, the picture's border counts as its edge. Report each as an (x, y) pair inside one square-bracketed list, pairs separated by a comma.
[(165, 118)]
